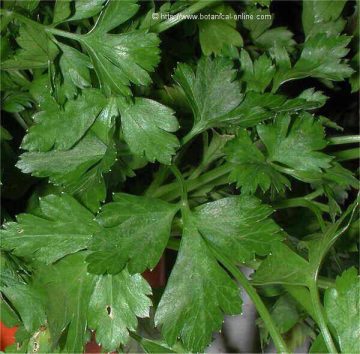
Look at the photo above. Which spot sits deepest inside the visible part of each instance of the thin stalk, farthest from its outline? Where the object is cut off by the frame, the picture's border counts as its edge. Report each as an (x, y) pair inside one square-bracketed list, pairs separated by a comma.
[(64, 34), (181, 182), (320, 318), (346, 155), (347, 139), (260, 306), (195, 183), (179, 17), (20, 120)]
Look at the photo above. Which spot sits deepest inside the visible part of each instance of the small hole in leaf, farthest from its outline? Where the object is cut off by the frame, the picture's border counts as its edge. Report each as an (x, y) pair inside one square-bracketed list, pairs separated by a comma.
[(108, 309)]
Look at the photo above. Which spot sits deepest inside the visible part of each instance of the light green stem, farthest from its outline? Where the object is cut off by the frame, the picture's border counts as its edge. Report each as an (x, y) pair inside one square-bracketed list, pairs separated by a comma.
[(174, 20), (260, 306), (346, 139), (183, 188), (320, 318), (346, 155)]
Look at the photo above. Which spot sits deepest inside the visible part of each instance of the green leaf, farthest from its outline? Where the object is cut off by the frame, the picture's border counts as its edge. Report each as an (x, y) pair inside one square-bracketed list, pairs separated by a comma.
[(278, 36), (75, 70), (283, 266), (257, 75), (114, 305), (62, 10), (285, 314), (136, 232), (322, 57), (323, 17), (108, 304), (288, 143), (197, 294), (80, 170), (68, 289), (35, 49), (252, 23), (86, 8), (298, 145), (28, 302), (15, 102), (152, 346), (64, 227), (211, 91), (342, 310), (73, 122), (121, 59), (214, 35), (147, 126), (250, 168), (239, 226)]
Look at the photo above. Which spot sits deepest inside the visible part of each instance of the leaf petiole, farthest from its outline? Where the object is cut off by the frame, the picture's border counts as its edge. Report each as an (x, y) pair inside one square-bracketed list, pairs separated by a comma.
[(260, 306)]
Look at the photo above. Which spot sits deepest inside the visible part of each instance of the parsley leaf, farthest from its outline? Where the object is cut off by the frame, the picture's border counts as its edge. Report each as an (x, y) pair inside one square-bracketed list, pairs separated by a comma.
[(147, 125), (63, 227), (29, 305), (215, 35), (342, 310), (251, 169), (192, 307), (288, 143), (79, 170), (74, 67), (136, 232), (322, 57), (73, 122), (297, 145), (232, 230), (323, 17), (257, 75), (283, 266), (211, 91), (121, 59), (36, 49), (114, 316), (91, 298)]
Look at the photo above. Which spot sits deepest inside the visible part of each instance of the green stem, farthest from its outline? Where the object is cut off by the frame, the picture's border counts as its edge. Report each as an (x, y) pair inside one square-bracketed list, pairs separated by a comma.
[(64, 34), (320, 318), (20, 120), (181, 182), (179, 17), (171, 190), (260, 306), (347, 139), (346, 155)]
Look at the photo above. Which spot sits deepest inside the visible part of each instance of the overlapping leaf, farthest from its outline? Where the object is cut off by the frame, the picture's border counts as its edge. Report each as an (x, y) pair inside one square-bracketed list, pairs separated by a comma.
[(88, 300), (60, 129), (121, 59), (216, 35), (36, 49), (64, 227), (114, 306), (322, 57), (147, 126), (79, 170), (343, 310), (192, 306), (295, 146), (136, 233), (216, 101)]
